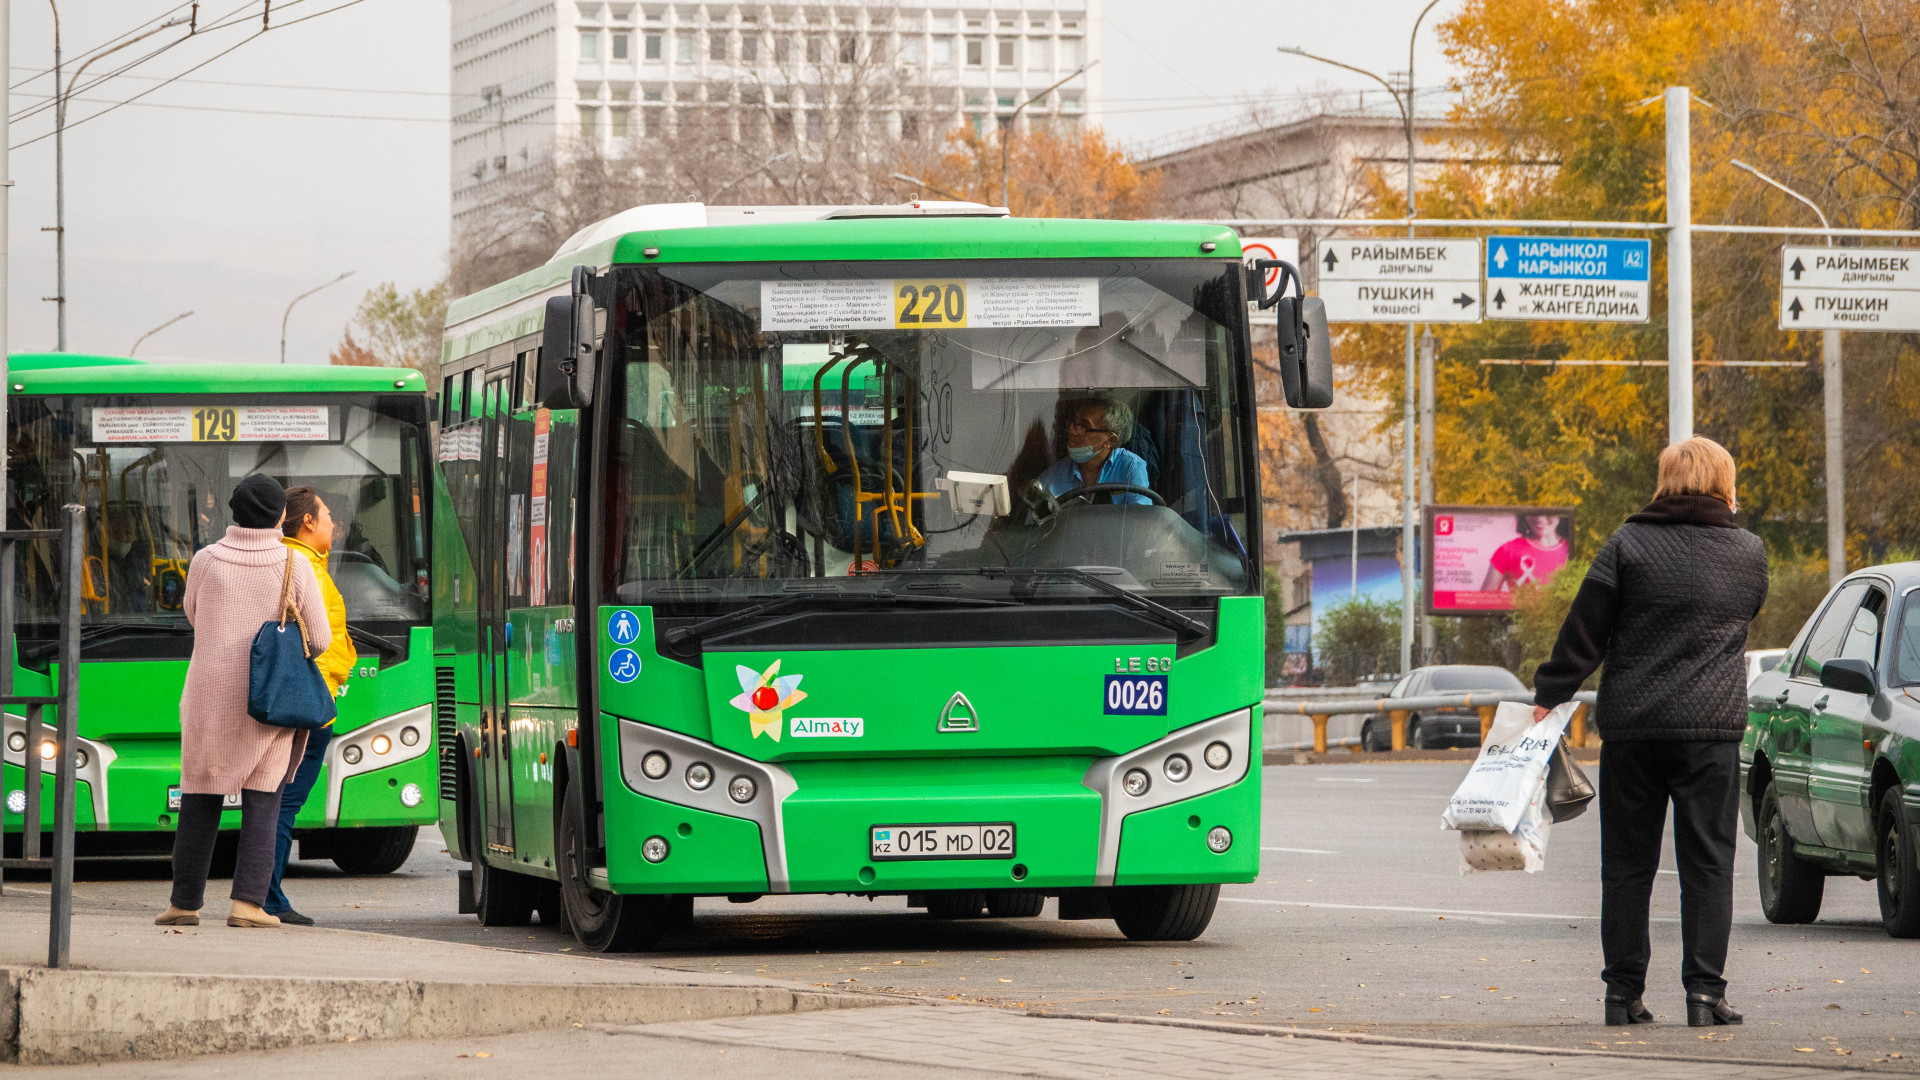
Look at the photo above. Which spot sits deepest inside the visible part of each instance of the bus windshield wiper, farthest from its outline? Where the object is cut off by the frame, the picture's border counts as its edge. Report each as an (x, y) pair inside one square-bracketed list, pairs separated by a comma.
[(778, 602), (1188, 628), (98, 633), (385, 647)]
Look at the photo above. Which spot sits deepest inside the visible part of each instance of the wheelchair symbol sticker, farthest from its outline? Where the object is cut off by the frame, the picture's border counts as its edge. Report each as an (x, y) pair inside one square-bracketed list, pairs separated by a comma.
[(624, 665), (623, 627)]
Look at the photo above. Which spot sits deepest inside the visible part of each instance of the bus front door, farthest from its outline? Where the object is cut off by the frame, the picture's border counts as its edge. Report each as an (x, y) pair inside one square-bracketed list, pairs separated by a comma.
[(491, 558)]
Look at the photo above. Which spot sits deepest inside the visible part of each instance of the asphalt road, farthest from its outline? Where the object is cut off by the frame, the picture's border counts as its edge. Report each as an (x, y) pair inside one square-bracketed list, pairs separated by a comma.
[(1360, 922)]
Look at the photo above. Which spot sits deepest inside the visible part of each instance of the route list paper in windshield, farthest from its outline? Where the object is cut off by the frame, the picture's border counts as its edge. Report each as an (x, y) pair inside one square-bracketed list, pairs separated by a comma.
[(212, 423), (929, 304)]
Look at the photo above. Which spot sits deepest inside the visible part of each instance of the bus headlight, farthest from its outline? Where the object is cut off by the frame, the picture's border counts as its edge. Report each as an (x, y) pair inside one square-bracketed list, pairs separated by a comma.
[(16, 801), (80, 758), (655, 765), (1177, 767), (699, 776), (741, 789), (409, 736), (1136, 782), (382, 744), (351, 755), (410, 796), (16, 741), (1219, 755), (1219, 839), (47, 750), (654, 849)]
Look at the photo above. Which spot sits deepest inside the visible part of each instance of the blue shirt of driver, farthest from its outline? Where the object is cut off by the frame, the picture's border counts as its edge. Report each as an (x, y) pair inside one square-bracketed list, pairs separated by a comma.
[(1123, 466)]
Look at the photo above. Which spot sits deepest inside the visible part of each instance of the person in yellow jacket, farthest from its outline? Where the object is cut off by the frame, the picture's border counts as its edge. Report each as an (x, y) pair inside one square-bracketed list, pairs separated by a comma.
[(309, 532)]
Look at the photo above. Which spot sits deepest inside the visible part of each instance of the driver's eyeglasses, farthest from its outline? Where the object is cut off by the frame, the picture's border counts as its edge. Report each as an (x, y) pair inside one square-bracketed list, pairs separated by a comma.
[(1081, 427)]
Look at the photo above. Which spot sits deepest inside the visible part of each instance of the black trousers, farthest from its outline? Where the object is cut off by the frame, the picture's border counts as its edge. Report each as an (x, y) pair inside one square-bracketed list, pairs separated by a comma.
[(1637, 780), (193, 847)]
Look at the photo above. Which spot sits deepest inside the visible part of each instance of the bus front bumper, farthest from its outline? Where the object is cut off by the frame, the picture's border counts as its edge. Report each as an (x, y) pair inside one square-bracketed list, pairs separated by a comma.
[(806, 826)]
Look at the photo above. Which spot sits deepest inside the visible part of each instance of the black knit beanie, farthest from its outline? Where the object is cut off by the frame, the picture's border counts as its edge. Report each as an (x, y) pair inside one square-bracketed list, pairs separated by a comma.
[(257, 502)]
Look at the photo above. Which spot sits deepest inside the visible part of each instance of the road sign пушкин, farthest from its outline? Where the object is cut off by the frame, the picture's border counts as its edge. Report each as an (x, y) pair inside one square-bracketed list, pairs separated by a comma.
[(1567, 278), (1400, 280), (1829, 288)]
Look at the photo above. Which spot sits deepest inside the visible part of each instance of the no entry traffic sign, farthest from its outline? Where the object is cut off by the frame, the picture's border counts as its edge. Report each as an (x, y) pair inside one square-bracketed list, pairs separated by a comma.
[(1567, 278), (1400, 280), (1826, 288)]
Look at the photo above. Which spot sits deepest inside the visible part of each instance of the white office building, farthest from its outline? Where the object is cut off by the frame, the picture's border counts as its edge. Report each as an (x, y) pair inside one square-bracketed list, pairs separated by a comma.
[(529, 75)]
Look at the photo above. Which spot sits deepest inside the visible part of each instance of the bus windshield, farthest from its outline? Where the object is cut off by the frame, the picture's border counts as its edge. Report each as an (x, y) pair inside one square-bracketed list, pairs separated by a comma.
[(969, 423), (155, 478)]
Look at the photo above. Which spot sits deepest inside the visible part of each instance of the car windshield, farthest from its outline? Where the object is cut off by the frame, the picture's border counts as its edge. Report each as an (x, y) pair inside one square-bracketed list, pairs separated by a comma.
[(933, 424), (1456, 679), (155, 479)]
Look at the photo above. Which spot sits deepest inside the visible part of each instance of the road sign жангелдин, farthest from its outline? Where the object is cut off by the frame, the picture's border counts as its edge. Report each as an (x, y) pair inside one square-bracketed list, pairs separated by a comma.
[(1568, 279)]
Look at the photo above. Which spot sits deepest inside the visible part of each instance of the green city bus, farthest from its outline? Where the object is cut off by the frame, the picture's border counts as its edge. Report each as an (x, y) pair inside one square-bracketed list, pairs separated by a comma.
[(153, 450), (757, 572)]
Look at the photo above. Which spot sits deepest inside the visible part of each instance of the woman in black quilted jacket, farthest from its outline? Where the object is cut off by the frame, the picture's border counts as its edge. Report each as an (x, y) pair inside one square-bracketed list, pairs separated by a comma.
[(1666, 606)]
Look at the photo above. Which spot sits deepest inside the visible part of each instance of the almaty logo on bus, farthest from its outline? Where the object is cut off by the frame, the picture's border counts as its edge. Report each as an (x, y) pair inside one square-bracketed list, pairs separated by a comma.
[(764, 696)]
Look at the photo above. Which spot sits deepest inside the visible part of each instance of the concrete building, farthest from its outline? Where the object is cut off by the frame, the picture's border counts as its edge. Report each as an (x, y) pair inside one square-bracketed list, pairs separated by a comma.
[(529, 75)]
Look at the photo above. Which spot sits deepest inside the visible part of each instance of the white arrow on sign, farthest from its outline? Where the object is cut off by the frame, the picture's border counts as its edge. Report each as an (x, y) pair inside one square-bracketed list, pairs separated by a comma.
[(1411, 279), (1824, 288)]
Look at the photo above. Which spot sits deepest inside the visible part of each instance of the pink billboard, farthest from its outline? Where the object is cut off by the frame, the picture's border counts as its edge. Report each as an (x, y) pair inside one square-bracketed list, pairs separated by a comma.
[(1481, 554)]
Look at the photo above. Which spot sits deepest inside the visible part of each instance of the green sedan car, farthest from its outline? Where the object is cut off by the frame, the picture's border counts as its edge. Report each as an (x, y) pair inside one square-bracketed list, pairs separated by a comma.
[(1830, 765)]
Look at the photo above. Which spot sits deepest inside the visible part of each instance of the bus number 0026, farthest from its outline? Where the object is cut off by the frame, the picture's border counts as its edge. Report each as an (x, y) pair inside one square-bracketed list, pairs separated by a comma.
[(213, 425), (1136, 695)]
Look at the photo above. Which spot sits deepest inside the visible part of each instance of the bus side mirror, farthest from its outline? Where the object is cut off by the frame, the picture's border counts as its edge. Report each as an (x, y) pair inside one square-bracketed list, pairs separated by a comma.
[(567, 350), (1306, 351)]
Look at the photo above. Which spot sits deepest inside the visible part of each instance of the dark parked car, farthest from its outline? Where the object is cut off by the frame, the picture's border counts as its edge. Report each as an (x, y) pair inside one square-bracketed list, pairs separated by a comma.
[(1433, 728), (1830, 765)]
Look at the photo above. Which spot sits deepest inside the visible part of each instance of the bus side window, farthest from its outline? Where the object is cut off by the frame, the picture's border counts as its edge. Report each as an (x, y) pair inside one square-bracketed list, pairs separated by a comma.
[(453, 399)]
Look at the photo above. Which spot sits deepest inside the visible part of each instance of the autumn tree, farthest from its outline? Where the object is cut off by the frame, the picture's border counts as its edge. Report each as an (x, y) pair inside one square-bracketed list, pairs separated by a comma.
[(1065, 171), (398, 329)]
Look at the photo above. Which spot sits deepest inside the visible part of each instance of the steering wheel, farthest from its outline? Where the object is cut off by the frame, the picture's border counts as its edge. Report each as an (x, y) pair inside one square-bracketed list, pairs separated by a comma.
[(354, 557), (1091, 490)]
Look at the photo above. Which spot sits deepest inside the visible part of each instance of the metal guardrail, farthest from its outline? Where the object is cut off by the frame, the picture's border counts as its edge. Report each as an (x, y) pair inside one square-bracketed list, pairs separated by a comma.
[(65, 702), (1396, 710)]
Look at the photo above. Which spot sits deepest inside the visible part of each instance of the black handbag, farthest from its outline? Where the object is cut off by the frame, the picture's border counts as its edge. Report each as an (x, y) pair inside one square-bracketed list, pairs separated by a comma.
[(1568, 788)]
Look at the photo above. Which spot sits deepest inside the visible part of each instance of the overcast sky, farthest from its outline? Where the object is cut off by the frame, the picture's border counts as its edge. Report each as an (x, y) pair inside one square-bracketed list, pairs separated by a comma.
[(321, 147)]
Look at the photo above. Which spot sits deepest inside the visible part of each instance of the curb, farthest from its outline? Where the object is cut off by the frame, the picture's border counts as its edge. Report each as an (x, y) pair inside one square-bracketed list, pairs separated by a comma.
[(1464, 756), (1275, 1032), (66, 1017)]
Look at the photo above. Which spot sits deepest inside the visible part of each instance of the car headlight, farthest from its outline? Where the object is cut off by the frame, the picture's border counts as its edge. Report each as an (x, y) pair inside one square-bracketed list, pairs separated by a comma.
[(655, 765), (1136, 782)]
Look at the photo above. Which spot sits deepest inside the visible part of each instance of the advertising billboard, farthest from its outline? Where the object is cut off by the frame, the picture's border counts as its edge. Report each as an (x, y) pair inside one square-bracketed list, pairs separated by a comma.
[(1480, 554)]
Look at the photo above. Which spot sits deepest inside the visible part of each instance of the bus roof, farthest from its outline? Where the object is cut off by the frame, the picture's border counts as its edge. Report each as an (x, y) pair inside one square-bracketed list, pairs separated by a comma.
[(862, 236), (31, 374)]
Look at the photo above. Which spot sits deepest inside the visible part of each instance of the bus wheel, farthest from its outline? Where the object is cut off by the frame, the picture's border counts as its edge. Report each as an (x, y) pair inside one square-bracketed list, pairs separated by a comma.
[(606, 921), (956, 903), (1015, 903), (1163, 912), (500, 897), (375, 851)]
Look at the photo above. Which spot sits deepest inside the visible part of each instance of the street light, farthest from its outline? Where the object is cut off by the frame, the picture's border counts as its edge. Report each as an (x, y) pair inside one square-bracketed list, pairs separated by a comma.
[(746, 175), (1835, 414), (60, 97), (919, 183), (297, 299), (1013, 122), (1409, 494), (155, 330)]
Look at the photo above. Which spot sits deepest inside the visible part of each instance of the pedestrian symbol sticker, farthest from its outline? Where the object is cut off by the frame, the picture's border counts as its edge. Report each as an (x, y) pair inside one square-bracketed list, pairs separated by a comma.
[(624, 665), (623, 627)]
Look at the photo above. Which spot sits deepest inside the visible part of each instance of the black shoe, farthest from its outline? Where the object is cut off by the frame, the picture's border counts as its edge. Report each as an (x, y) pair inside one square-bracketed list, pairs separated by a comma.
[(1705, 1010), (1620, 1010), (293, 918)]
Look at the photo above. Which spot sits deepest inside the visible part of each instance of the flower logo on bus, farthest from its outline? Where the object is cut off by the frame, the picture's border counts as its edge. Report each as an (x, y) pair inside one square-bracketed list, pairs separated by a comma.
[(764, 696)]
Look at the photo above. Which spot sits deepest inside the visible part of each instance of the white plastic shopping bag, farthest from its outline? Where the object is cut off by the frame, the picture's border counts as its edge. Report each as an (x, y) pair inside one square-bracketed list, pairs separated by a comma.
[(1525, 848), (1511, 771)]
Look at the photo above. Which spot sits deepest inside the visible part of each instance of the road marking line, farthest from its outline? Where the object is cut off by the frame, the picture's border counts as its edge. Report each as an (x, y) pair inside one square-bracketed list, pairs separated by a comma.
[(1343, 779), (1302, 850), (1413, 910)]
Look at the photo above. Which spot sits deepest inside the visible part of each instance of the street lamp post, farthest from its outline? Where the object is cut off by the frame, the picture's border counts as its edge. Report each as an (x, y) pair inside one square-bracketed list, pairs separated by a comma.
[(1409, 489), (919, 183), (143, 337), (297, 299), (1835, 414), (1006, 136)]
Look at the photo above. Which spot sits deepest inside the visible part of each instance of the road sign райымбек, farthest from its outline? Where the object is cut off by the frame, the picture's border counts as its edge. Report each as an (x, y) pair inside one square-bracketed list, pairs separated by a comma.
[(1399, 280), (1836, 288), (1567, 278)]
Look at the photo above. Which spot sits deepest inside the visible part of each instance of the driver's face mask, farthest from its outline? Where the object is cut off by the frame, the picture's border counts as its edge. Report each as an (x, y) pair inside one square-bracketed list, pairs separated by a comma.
[(1082, 454)]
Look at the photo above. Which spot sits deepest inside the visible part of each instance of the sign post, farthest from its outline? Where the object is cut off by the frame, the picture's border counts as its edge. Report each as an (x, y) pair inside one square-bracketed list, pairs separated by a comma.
[(1400, 280), (1833, 288), (1568, 279)]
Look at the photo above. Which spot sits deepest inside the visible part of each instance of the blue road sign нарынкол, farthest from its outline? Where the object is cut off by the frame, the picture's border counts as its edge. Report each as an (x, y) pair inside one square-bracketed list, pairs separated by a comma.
[(1568, 278)]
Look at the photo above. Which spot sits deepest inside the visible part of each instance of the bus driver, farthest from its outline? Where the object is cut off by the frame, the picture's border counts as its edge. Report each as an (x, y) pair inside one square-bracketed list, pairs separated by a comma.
[(1096, 430)]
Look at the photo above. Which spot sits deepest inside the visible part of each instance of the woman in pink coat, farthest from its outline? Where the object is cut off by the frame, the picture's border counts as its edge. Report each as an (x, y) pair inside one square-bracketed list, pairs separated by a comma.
[(233, 586)]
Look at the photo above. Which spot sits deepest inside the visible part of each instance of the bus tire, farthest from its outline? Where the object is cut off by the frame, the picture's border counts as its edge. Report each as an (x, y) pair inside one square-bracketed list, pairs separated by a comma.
[(956, 903), (375, 851), (1163, 912), (1015, 903), (606, 921), (500, 897)]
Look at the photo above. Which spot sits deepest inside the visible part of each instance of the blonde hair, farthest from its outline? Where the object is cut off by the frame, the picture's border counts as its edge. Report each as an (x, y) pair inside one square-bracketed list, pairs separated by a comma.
[(1697, 466)]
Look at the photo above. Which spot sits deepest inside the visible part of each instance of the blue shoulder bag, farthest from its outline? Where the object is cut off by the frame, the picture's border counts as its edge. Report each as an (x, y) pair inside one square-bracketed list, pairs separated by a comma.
[(284, 687)]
